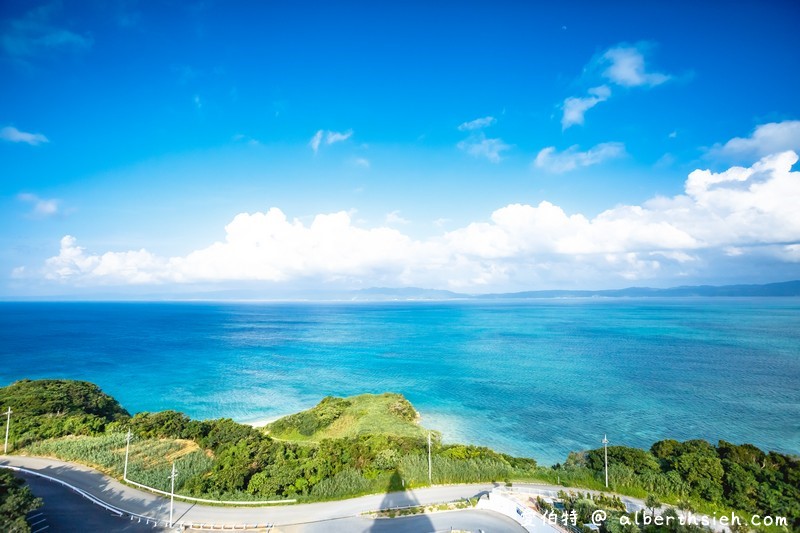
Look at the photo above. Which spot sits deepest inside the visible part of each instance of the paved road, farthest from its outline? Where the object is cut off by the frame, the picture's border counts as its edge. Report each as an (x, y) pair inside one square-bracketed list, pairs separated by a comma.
[(471, 520), (66, 511), (143, 503), (137, 501)]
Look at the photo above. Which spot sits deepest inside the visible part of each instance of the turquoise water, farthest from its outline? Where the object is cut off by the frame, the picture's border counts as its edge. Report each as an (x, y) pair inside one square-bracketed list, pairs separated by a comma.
[(533, 378)]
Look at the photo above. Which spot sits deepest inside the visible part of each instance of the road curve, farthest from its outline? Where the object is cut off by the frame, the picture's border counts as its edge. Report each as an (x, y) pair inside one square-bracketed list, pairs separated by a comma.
[(133, 500), (139, 502)]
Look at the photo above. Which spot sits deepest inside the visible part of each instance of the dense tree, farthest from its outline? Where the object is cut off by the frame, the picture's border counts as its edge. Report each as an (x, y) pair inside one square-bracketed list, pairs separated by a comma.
[(53, 408), (16, 501)]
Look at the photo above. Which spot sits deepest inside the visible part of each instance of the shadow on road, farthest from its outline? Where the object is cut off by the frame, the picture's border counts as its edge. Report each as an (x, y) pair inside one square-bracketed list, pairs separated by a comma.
[(394, 500), (67, 512)]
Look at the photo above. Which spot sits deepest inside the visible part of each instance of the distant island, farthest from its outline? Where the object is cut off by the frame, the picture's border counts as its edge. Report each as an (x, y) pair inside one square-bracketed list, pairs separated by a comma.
[(265, 293), (782, 289)]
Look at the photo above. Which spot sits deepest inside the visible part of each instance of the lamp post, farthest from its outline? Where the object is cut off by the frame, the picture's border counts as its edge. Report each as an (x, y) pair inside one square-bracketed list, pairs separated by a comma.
[(127, 450), (8, 424), (172, 493), (605, 449), (430, 465)]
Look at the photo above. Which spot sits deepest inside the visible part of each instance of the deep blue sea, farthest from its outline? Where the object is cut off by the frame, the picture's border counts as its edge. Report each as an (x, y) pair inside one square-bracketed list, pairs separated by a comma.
[(533, 378)]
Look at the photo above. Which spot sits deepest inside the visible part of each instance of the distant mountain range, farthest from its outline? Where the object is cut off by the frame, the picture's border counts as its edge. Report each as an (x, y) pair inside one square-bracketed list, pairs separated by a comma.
[(388, 294), (786, 288)]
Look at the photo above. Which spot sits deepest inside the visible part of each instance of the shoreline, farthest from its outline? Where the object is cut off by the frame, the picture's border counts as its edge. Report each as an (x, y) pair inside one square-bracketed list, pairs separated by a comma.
[(261, 422)]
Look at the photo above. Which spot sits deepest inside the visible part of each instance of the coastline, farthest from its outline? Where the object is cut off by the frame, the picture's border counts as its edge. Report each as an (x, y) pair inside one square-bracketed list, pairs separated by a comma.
[(261, 422)]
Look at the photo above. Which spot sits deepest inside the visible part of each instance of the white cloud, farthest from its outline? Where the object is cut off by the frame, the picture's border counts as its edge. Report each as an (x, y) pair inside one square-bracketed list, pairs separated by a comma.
[(725, 217), (765, 139), (572, 158), (622, 65), (42, 207), (626, 67), (329, 137), (574, 108), (12, 134), (316, 140), (477, 124), (361, 162), (394, 218), (132, 267), (477, 145), (336, 136)]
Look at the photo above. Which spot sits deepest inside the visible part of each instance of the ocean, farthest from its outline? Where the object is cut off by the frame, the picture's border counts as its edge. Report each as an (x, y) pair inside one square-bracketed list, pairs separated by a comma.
[(535, 378)]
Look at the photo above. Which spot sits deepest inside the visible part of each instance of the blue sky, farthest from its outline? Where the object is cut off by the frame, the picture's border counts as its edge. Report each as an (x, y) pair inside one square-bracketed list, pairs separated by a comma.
[(165, 149)]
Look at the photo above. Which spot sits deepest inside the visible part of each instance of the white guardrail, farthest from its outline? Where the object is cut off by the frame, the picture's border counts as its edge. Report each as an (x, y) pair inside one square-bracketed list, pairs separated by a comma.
[(148, 520)]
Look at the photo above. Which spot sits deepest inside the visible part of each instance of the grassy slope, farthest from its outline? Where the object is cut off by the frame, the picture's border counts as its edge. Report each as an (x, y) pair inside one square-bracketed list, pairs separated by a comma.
[(335, 418)]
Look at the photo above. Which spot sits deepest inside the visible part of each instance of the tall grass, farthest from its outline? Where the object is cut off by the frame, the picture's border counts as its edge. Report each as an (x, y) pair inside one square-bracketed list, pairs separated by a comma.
[(414, 469), (150, 461), (347, 482)]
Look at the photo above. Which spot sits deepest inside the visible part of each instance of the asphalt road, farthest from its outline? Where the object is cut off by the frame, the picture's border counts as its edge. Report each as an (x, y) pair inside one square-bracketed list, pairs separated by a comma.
[(470, 520), (302, 517), (65, 511), (143, 503)]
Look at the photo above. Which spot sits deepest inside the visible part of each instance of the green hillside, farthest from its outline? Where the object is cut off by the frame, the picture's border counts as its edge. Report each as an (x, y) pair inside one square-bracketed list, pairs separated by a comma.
[(336, 418), (48, 408)]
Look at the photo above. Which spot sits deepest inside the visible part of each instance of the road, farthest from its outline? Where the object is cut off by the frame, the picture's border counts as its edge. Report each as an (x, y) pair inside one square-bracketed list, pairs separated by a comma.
[(67, 512), (302, 516)]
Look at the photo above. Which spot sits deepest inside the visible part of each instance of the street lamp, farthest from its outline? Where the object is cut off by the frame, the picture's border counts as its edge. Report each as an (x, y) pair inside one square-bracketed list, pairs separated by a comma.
[(430, 469), (8, 424), (605, 449), (127, 450), (172, 493)]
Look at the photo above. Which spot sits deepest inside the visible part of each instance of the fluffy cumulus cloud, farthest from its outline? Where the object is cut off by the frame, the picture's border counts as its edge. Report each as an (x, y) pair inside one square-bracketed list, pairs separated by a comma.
[(572, 158), (721, 216), (12, 134), (765, 139)]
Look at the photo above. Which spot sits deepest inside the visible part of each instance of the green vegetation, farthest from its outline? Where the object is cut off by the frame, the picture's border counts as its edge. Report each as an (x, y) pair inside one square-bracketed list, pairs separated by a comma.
[(150, 460), (335, 418), (51, 408), (371, 443), (16, 501), (698, 475)]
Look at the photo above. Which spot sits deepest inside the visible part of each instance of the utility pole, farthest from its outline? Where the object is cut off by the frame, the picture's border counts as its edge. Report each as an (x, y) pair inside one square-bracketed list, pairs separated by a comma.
[(8, 424), (605, 449), (430, 465), (172, 493), (127, 449)]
